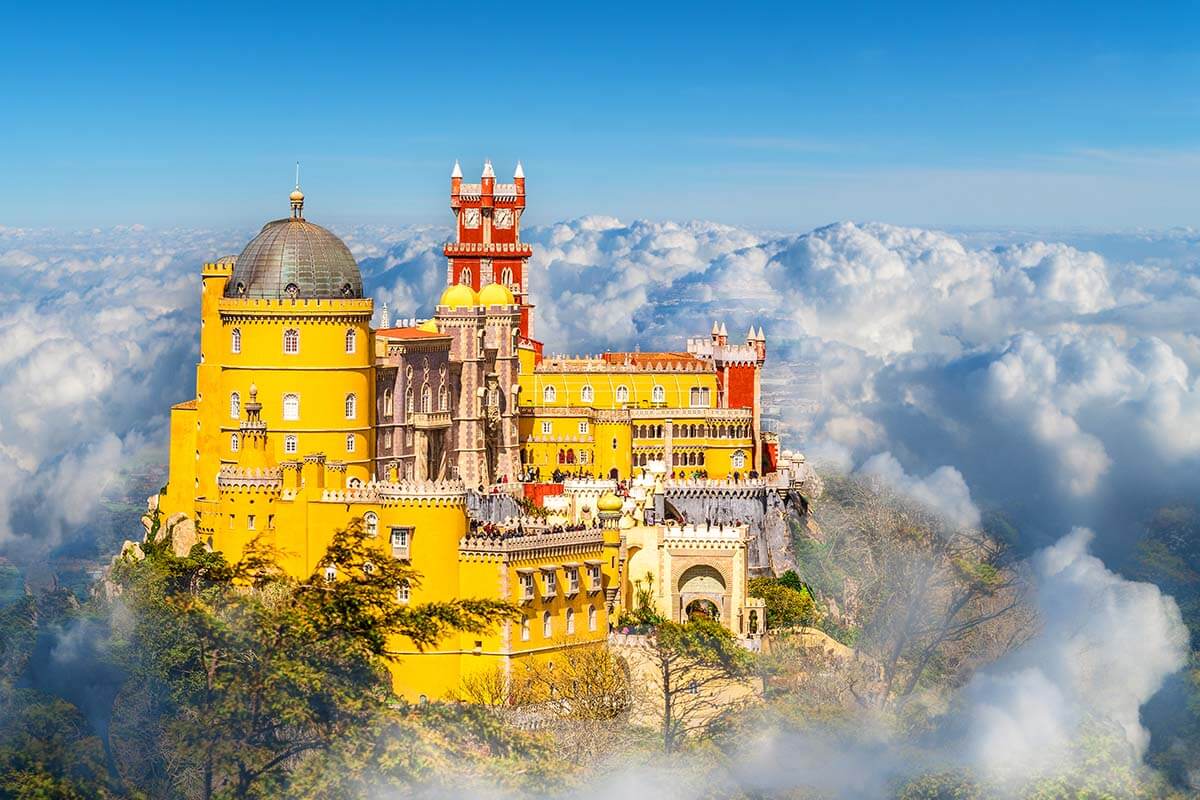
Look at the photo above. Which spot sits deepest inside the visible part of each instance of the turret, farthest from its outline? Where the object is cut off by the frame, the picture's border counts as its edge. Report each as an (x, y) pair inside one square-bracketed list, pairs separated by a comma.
[(455, 179), (519, 178), (252, 436), (488, 180)]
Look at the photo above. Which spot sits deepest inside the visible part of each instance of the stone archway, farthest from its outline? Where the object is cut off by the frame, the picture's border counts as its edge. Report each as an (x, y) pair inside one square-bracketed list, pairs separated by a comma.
[(702, 587)]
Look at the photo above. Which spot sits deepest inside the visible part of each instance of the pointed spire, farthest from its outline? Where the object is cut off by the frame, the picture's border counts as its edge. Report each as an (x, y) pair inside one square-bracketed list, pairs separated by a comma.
[(457, 171), (716, 328), (519, 172), (750, 337), (488, 172), (385, 317), (297, 197), (724, 332), (762, 337)]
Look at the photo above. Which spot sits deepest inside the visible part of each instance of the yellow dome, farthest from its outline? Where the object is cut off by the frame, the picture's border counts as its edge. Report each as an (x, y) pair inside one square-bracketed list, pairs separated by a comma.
[(459, 296), (496, 294), (296, 196), (429, 326), (609, 502)]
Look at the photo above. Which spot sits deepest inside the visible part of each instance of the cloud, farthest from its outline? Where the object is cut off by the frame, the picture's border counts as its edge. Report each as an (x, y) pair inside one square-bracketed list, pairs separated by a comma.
[(1105, 647), (942, 490)]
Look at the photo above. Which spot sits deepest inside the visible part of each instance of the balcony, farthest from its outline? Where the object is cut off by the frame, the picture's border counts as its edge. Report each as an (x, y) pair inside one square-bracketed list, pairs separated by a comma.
[(430, 420)]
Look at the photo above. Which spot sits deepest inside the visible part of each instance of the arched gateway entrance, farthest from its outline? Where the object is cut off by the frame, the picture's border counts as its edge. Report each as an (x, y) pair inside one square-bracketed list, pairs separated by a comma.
[(702, 593)]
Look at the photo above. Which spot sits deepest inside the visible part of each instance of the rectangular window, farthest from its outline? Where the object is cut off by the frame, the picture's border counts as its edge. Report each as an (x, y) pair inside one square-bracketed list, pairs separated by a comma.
[(545, 429), (525, 629), (573, 580), (593, 571), (549, 583), (350, 443), (583, 456), (290, 445), (583, 427), (250, 521), (526, 586), (400, 538)]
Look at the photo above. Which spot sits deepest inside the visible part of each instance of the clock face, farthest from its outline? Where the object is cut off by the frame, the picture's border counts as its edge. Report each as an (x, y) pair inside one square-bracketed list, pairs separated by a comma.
[(471, 218), (504, 218)]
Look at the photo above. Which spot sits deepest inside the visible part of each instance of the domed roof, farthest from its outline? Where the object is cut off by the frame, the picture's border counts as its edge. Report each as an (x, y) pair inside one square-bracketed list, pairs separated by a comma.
[(609, 502), (293, 258), (496, 294), (458, 296)]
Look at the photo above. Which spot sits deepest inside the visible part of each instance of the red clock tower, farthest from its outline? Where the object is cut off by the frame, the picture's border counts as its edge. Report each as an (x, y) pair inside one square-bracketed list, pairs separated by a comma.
[(487, 246)]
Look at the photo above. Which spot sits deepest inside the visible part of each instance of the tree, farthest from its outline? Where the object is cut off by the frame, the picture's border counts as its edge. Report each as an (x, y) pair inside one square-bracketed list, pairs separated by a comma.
[(786, 606), (258, 671), (694, 671), (931, 599), (586, 682)]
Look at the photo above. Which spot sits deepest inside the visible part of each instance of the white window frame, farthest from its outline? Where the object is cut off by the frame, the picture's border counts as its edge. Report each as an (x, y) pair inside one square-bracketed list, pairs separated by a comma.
[(549, 583), (330, 574), (404, 592), (658, 394), (738, 460), (294, 414), (570, 622), (235, 405), (547, 625), (291, 341), (547, 428), (622, 394), (371, 523), (593, 618), (527, 587), (351, 406), (549, 394), (351, 340), (525, 628), (587, 394), (235, 443), (583, 427), (291, 444), (350, 442), (235, 341)]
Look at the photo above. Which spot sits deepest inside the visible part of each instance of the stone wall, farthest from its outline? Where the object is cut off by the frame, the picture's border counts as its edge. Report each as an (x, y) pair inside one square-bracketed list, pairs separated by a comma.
[(765, 510)]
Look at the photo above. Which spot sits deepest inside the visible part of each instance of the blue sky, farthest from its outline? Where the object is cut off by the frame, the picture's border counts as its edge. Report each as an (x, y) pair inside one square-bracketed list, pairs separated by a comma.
[(784, 117)]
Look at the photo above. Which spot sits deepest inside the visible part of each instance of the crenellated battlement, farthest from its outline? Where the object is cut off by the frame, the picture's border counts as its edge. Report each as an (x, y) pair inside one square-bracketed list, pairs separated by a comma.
[(232, 476), (533, 544)]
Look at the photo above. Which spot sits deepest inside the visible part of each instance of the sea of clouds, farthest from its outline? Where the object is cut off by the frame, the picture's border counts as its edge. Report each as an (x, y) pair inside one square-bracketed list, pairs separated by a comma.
[(1047, 381)]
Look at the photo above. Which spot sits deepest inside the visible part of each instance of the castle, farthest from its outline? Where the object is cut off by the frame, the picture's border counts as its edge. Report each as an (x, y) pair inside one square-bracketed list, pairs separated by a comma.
[(440, 434)]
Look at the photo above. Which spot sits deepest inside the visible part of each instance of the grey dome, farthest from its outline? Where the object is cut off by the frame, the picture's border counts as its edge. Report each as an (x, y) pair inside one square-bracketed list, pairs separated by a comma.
[(295, 258)]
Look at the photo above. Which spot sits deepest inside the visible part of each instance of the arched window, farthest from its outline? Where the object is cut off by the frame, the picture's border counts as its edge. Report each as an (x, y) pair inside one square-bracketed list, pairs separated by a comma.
[(426, 399), (586, 394), (549, 394), (658, 431), (290, 443), (525, 629), (464, 277), (387, 402), (570, 455), (235, 340), (506, 276), (351, 340), (330, 574), (443, 399), (658, 394), (371, 523), (547, 625), (291, 341), (403, 591), (351, 405), (622, 394), (368, 568), (234, 443), (562, 456), (235, 406), (592, 615), (408, 401), (739, 460), (570, 621), (291, 406), (349, 442)]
